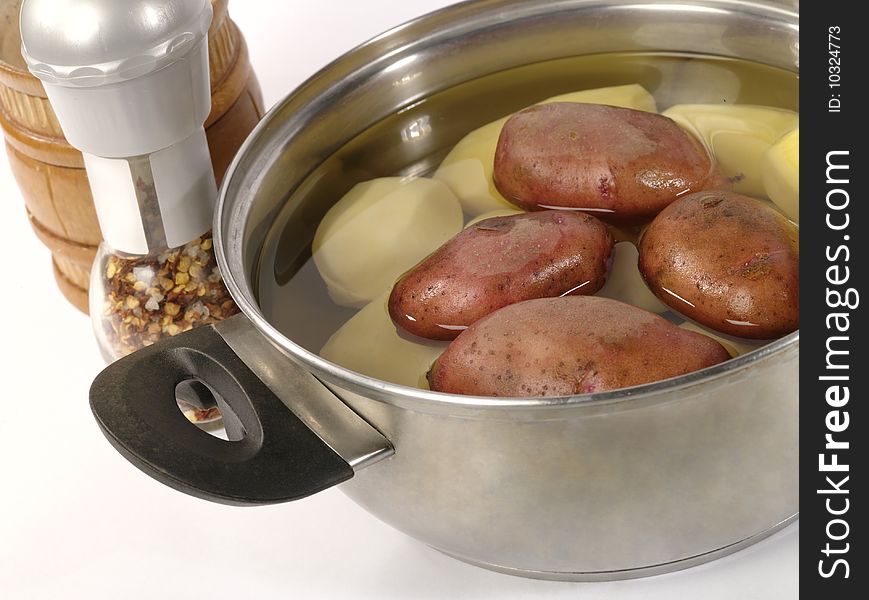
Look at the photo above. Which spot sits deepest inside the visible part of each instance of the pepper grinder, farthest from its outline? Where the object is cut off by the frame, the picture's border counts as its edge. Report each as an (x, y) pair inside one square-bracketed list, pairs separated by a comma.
[(129, 82)]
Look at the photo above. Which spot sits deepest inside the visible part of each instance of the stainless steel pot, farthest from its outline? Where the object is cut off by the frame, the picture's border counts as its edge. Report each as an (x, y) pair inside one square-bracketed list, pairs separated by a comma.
[(605, 486)]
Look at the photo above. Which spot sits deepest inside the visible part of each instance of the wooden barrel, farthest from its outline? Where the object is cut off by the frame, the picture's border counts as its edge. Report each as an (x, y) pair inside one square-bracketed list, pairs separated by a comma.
[(50, 173)]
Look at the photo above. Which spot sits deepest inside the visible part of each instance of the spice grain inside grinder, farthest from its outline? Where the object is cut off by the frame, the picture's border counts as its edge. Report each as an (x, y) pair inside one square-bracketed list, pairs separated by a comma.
[(129, 82)]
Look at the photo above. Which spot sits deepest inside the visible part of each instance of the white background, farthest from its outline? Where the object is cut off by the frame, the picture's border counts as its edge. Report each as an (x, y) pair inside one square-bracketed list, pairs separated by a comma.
[(78, 521)]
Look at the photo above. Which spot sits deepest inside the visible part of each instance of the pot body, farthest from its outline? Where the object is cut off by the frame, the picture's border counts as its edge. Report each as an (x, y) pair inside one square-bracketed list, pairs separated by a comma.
[(605, 486), (612, 486), (602, 492)]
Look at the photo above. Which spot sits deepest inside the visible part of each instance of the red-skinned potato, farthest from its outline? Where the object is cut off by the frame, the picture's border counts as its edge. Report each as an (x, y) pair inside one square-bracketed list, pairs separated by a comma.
[(727, 261), (501, 261), (567, 346), (623, 165)]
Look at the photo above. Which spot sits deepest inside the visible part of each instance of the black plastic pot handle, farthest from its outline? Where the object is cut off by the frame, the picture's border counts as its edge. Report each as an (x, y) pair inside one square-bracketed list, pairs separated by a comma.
[(277, 458)]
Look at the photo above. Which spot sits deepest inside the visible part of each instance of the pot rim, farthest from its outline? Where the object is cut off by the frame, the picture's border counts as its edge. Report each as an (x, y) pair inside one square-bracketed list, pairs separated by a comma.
[(657, 391)]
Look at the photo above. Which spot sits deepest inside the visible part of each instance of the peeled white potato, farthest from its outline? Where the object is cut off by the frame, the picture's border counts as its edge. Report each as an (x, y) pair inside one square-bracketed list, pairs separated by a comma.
[(468, 169), (626, 96), (369, 344), (501, 212), (469, 166), (781, 174), (737, 136), (624, 282), (379, 230), (736, 347)]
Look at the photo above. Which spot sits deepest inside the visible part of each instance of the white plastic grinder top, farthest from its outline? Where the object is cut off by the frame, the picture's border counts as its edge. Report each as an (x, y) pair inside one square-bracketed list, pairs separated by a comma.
[(129, 82)]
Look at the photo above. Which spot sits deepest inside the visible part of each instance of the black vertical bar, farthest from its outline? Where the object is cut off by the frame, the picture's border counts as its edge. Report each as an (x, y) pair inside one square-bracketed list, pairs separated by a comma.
[(833, 364)]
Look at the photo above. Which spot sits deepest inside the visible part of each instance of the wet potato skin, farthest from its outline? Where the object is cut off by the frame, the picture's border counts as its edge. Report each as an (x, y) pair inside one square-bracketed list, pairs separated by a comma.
[(624, 165), (497, 262), (567, 346), (727, 261)]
